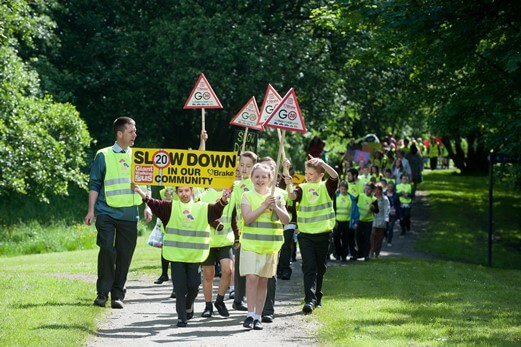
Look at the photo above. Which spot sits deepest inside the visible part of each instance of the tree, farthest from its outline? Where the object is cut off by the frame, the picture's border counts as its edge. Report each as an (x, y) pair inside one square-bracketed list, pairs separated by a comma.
[(457, 64), (120, 57), (42, 142)]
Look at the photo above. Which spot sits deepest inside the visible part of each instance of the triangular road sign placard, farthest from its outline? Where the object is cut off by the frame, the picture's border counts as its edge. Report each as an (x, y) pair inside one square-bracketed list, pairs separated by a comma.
[(287, 115), (270, 102), (202, 96), (248, 116)]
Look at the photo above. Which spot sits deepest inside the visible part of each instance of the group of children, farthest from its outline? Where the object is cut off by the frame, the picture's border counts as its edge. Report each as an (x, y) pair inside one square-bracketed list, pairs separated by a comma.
[(244, 230)]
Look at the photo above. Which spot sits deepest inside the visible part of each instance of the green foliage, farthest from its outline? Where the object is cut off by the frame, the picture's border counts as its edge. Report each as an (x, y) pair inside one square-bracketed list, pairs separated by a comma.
[(42, 143), (450, 65), (125, 58), (33, 238)]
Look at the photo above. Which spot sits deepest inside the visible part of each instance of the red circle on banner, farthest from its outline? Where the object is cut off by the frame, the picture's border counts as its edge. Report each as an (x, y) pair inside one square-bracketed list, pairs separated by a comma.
[(161, 159)]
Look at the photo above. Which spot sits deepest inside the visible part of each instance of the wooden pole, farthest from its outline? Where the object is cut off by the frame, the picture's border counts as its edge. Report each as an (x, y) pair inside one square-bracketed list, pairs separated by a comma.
[(245, 135), (281, 147), (203, 127)]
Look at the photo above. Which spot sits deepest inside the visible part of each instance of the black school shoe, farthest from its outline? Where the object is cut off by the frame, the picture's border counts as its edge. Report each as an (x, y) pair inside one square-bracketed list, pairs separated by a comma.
[(248, 323), (308, 308), (267, 318), (181, 323), (257, 325), (161, 279), (221, 307), (207, 313), (101, 300)]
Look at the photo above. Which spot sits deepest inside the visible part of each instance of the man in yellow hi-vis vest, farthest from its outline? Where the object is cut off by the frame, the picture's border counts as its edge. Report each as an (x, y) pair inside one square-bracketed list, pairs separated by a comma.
[(116, 208)]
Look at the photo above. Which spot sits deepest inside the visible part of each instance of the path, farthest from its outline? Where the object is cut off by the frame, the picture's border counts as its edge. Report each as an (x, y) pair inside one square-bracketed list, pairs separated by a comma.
[(149, 317)]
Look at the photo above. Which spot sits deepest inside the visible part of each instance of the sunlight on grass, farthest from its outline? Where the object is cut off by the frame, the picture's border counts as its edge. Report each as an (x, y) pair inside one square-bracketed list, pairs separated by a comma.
[(430, 303)]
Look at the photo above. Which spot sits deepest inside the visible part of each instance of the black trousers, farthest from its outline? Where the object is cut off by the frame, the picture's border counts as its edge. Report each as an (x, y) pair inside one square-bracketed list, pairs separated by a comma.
[(239, 281), (117, 242), (341, 237), (314, 249), (363, 238), (284, 267), (269, 303), (187, 279)]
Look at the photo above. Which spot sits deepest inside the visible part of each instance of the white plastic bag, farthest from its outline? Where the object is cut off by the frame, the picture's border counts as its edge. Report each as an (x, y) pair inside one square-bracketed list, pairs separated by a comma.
[(156, 236)]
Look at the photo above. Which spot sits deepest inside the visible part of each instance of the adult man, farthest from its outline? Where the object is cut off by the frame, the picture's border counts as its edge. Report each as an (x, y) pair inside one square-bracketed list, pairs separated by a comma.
[(116, 208)]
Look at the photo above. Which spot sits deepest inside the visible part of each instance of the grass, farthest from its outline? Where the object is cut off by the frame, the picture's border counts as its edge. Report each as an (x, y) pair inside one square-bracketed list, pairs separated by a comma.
[(420, 303), (46, 299), (458, 227)]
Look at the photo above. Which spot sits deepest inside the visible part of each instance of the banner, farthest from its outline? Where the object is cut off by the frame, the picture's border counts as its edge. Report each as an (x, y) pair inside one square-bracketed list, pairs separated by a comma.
[(172, 167), (251, 140)]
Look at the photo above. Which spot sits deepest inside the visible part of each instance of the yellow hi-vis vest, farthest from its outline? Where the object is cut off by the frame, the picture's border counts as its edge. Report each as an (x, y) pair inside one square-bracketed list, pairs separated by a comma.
[(316, 214), (343, 208), (224, 237), (404, 188), (117, 179), (364, 203), (264, 235), (239, 187), (187, 234)]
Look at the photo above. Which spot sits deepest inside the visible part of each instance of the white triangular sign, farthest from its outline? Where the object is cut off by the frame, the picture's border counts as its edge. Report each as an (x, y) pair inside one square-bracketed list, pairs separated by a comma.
[(248, 116), (287, 115), (202, 96), (270, 102)]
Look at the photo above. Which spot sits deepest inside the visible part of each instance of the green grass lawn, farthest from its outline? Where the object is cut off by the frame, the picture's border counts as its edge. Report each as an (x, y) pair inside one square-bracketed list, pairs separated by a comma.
[(393, 302), (46, 299)]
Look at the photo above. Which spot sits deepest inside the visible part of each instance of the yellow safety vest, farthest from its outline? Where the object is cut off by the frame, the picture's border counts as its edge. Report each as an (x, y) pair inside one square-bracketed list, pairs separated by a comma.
[(404, 188), (316, 214), (355, 188), (343, 208), (224, 237), (187, 234), (264, 235), (118, 179), (364, 202), (239, 187)]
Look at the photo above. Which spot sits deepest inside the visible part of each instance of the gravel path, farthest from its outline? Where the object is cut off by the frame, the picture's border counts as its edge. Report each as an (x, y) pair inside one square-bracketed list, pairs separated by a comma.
[(149, 317)]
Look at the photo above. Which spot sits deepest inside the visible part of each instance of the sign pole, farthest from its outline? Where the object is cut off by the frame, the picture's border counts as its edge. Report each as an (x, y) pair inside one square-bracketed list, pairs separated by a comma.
[(203, 127), (281, 147), (245, 135)]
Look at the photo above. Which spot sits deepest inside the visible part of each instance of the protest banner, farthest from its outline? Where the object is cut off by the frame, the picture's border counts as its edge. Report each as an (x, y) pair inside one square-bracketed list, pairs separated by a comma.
[(193, 168)]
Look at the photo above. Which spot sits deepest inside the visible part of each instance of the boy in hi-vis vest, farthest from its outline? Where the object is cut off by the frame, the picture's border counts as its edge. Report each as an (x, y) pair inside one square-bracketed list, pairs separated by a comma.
[(186, 243), (315, 219)]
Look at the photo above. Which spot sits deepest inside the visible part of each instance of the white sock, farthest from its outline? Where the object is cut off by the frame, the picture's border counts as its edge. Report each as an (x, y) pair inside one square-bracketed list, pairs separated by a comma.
[(251, 314), (257, 316)]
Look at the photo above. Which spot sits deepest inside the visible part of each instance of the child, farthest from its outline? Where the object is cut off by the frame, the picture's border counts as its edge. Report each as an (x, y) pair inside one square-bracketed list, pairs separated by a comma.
[(246, 162), (404, 191), (316, 219), (261, 239), (186, 242), (221, 242), (366, 208)]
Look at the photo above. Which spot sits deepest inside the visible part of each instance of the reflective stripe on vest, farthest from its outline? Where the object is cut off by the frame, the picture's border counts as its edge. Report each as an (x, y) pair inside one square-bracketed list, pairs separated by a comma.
[(316, 214), (264, 235), (117, 180), (364, 208), (343, 208), (224, 237), (187, 234), (407, 188)]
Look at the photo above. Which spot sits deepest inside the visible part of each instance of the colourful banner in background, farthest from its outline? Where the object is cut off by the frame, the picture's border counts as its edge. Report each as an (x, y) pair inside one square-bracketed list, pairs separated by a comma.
[(172, 167)]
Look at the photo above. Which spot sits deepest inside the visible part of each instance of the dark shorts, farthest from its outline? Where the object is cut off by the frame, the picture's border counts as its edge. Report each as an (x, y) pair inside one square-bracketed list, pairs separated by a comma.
[(218, 253)]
